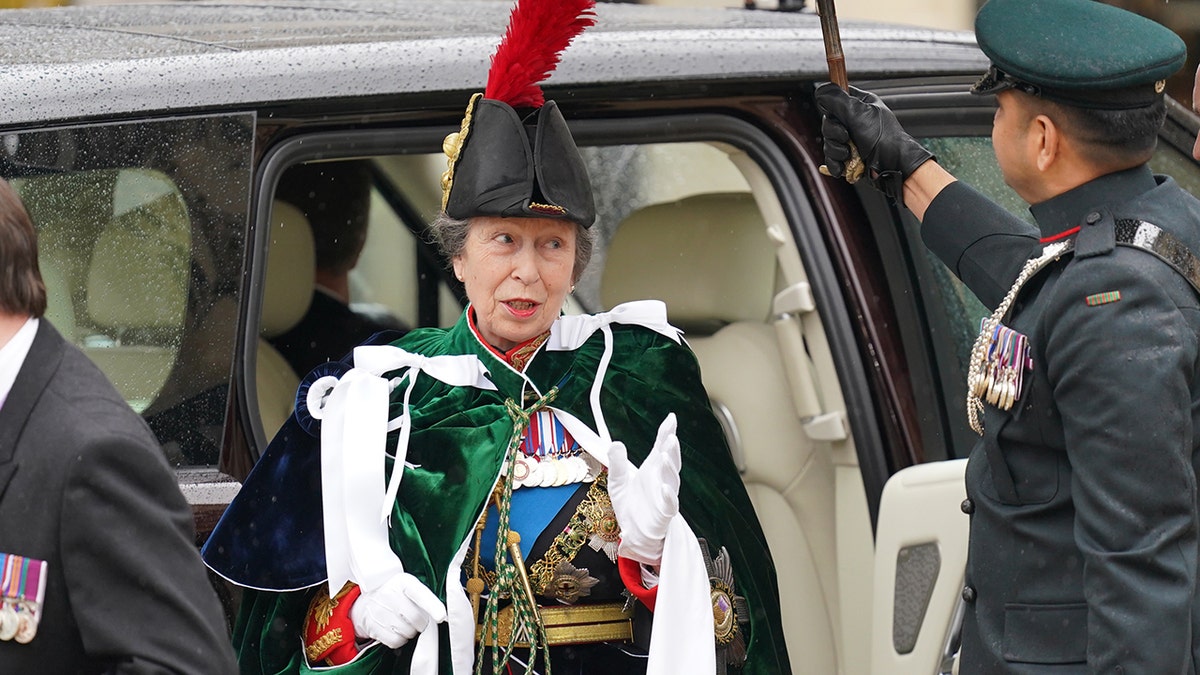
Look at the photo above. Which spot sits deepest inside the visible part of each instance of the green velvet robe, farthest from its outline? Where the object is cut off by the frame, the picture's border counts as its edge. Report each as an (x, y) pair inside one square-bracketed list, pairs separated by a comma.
[(458, 441)]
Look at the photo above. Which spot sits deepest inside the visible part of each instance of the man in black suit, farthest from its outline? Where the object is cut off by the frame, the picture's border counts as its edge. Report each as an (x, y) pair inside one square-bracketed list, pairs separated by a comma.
[(100, 573), (1084, 383), (335, 197)]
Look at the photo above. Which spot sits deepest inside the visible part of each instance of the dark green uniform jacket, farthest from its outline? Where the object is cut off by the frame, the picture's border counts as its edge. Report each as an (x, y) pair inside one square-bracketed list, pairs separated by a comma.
[(458, 440), (1083, 544)]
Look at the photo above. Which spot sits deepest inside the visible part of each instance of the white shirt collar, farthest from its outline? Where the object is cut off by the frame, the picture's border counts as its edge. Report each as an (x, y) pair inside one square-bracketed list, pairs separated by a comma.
[(13, 354)]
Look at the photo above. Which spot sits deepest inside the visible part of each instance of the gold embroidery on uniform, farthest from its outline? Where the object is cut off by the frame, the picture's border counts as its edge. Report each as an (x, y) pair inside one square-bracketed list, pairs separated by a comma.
[(323, 605), (521, 355), (593, 519), (578, 530), (324, 642), (323, 611)]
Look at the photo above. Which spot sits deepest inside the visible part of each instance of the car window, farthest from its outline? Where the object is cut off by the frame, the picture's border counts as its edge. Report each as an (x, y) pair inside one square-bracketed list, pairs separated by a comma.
[(140, 231), (953, 312), (392, 279), (114, 255)]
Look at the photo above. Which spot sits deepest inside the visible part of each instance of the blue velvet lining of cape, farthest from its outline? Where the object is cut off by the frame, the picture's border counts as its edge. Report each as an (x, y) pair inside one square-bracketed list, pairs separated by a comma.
[(271, 536)]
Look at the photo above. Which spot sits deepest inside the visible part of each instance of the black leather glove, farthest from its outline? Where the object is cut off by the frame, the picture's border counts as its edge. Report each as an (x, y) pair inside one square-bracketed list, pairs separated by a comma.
[(888, 152)]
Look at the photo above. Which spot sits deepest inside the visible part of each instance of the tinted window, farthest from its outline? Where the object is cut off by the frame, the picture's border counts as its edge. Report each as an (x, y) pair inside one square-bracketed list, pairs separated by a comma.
[(952, 311), (141, 231)]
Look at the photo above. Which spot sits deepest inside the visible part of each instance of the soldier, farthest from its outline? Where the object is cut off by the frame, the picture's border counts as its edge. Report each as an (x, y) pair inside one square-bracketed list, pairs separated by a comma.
[(1085, 381)]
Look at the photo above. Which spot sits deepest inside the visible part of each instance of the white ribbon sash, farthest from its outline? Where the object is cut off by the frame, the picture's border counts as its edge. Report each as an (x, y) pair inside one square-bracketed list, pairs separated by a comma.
[(354, 423)]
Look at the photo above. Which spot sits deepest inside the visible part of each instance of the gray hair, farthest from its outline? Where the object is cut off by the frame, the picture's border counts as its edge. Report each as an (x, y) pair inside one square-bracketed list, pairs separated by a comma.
[(450, 236)]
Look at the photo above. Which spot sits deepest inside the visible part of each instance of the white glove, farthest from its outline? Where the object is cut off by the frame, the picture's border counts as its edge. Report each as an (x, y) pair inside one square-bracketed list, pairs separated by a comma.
[(397, 611), (645, 499)]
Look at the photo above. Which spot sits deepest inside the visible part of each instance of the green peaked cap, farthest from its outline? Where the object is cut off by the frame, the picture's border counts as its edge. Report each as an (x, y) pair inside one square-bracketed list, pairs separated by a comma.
[(1079, 52)]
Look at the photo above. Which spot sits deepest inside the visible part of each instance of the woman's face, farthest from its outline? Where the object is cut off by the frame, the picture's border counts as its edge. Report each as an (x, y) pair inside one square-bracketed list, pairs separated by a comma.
[(517, 273)]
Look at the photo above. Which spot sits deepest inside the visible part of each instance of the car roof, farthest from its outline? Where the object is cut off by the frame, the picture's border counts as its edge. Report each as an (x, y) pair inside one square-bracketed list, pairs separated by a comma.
[(111, 60)]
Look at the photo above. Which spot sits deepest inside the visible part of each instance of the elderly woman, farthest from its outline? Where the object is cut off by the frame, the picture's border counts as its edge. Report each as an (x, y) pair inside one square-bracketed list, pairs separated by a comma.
[(522, 490)]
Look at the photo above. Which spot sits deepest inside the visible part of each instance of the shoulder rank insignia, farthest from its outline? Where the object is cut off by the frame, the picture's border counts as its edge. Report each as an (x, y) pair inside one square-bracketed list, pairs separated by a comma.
[(22, 590), (731, 614), (1102, 298)]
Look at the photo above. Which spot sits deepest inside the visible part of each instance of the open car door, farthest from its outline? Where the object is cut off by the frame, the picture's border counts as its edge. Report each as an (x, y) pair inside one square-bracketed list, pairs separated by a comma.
[(920, 558)]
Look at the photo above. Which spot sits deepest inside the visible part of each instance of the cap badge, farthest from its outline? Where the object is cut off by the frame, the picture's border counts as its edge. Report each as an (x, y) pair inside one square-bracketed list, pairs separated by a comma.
[(1160, 86)]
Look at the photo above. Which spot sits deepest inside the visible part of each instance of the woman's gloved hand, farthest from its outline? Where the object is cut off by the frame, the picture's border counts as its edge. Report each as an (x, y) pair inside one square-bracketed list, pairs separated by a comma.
[(645, 499), (888, 152), (397, 611)]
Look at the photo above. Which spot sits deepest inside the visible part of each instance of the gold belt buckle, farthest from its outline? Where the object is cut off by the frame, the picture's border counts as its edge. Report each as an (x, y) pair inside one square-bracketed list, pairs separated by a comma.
[(573, 625)]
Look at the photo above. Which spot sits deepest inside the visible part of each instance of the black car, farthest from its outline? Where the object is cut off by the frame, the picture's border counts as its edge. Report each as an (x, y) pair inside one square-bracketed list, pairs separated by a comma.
[(152, 143)]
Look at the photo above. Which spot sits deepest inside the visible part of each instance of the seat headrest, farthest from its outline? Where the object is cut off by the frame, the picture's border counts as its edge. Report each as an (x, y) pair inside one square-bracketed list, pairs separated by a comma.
[(60, 311), (707, 256), (291, 270), (140, 271)]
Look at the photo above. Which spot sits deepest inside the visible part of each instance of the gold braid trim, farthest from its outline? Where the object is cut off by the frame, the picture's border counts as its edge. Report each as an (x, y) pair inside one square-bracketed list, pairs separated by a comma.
[(324, 642), (452, 146), (588, 518), (594, 515), (520, 356)]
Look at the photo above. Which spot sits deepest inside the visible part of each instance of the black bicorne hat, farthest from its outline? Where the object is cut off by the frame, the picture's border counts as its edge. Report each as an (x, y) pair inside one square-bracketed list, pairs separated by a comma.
[(514, 155)]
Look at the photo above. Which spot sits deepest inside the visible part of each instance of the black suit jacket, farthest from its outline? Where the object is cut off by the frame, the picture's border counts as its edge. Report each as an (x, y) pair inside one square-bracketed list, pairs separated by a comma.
[(84, 485), (1084, 551), (328, 332)]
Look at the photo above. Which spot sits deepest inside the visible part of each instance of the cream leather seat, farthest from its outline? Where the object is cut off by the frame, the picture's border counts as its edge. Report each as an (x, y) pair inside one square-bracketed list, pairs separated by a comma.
[(60, 309), (287, 293), (710, 259), (137, 283), (69, 210)]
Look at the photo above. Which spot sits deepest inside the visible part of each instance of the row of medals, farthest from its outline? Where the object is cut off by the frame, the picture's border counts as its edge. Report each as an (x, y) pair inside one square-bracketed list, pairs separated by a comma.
[(553, 471), (1007, 359), (17, 621)]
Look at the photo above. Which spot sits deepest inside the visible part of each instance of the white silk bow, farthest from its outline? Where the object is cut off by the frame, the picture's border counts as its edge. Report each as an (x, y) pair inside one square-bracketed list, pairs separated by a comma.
[(570, 332)]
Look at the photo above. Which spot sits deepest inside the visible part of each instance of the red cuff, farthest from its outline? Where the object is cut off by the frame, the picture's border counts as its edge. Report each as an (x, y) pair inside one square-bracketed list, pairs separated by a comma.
[(631, 575), (328, 631)]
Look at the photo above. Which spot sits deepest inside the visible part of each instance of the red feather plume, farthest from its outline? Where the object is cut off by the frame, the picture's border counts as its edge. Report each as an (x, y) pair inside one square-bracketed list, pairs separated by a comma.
[(538, 32)]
